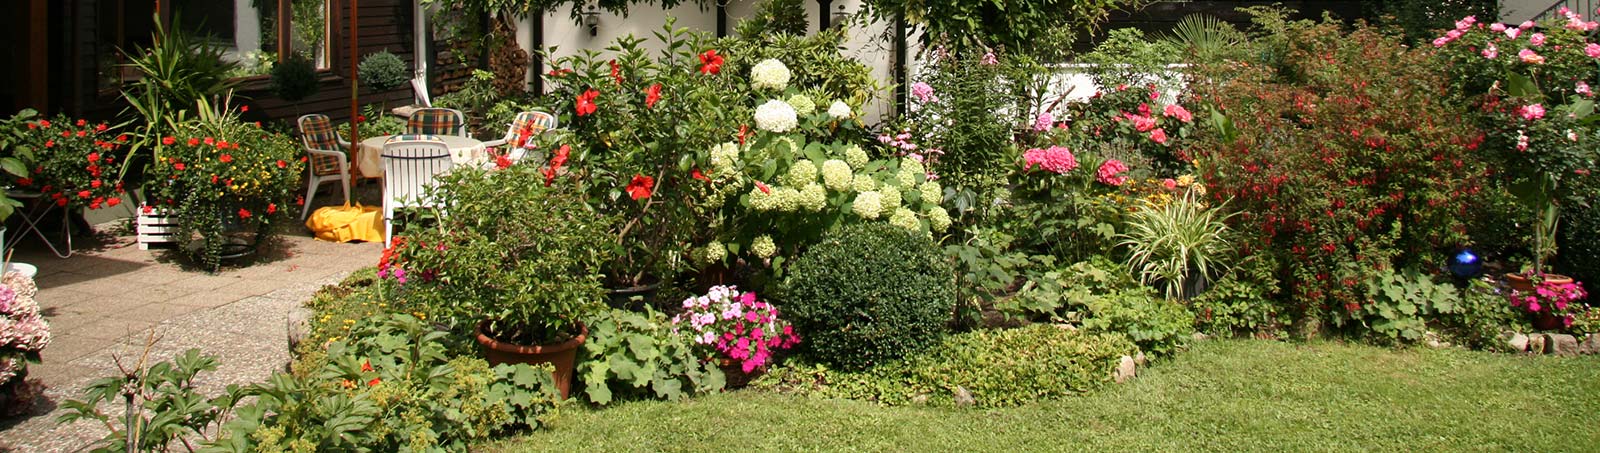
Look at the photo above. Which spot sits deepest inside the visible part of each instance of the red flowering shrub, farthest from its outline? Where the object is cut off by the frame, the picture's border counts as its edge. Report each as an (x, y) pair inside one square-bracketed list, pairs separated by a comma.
[(74, 163), (1345, 157)]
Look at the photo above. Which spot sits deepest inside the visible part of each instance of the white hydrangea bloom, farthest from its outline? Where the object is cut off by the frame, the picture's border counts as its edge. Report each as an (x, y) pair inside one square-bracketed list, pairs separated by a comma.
[(836, 175), (904, 218), (891, 198), (855, 156), (764, 247), (764, 200), (868, 205), (840, 110), (813, 197), (802, 172), (802, 104), (776, 116), (914, 166), (938, 219), (713, 252), (724, 158), (932, 193), (863, 183), (769, 73), (907, 178), (788, 199)]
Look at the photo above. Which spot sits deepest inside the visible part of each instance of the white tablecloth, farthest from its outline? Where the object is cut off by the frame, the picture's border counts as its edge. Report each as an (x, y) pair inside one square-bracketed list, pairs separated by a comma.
[(463, 150)]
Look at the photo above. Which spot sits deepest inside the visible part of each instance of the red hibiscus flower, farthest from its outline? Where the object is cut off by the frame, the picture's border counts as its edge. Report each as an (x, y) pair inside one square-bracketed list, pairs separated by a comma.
[(556, 163), (652, 95), (374, 382), (763, 187), (641, 186), (586, 104), (696, 174), (244, 213), (226, 158), (616, 72), (710, 62)]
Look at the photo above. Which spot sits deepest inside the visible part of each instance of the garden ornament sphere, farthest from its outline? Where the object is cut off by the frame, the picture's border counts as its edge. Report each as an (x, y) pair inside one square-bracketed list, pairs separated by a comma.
[(1466, 264)]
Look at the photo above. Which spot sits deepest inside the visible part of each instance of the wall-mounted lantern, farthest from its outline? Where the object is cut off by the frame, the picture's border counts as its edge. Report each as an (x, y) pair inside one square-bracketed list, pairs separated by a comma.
[(591, 19), (840, 16)]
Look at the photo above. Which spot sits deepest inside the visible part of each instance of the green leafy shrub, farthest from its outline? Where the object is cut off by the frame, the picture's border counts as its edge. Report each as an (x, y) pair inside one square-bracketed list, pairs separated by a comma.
[(524, 256), (295, 79), (1481, 317), (631, 353), (1242, 301), (1400, 304), (1159, 326), (774, 17), (383, 71), (998, 367), (1580, 245), (869, 293), (1055, 294)]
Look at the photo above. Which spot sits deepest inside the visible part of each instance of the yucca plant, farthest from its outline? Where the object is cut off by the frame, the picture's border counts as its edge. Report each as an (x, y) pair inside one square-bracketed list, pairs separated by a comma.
[(176, 71), (1172, 246)]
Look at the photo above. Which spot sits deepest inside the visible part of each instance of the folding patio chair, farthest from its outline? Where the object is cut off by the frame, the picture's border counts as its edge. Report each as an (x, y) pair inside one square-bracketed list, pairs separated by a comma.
[(437, 121), (524, 127)]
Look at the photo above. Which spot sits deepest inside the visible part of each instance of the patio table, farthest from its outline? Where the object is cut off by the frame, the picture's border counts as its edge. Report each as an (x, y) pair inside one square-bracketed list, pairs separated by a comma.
[(463, 150)]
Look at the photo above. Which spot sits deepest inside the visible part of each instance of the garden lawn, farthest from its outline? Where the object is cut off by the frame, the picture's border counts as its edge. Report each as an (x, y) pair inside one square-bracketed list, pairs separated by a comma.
[(1225, 395)]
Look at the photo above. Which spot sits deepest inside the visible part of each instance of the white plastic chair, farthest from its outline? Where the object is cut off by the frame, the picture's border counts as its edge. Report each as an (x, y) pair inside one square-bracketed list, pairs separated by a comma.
[(329, 163), (410, 163)]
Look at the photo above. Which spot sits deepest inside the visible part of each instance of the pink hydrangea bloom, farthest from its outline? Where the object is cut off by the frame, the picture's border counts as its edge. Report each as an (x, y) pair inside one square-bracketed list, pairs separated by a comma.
[(1110, 173), (923, 92), (1042, 122), (1177, 111), (1054, 159), (1531, 112), (1530, 57)]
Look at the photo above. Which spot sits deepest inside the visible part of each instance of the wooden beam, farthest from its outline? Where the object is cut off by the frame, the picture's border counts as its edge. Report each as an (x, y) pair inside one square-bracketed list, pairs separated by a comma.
[(36, 88)]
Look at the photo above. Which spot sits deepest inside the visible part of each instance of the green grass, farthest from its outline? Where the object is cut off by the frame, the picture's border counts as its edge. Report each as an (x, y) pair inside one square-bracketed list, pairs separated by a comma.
[(1219, 396)]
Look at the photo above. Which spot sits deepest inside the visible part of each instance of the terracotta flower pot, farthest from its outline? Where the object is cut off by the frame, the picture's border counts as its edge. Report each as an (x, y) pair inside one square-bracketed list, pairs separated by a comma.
[(736, 377), (1521, 282), (560, 355)]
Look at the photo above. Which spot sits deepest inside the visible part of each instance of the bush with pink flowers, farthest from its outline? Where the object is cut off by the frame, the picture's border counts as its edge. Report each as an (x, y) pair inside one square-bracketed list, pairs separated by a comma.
[(735, 328)]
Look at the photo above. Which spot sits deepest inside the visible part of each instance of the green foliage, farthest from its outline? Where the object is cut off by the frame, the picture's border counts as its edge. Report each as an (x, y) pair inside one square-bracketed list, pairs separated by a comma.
[(867, 294), (378, 122), (989, 100), (1159, 326), (164, 405), (15, 152), (1061, 294), (383, 71), (524, 256), (295, 79), (475, 96), (639, 354), (1400, 304), (1242, 302), (1126, 57), (391, 387), (1043, 27), (1179, 246), (1000, 368), (986, 269), (775, 17), (1482, 316), (1580, 244)]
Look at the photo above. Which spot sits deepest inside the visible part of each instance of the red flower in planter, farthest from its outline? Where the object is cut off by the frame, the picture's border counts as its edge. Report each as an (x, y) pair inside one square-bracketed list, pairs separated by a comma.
[(194, 141), (226, 158), (113, 201), (586, 104), (652, 95), (641, 186), (168, 140), (244, 213), (710, 62), (271, 207), (282, 164)]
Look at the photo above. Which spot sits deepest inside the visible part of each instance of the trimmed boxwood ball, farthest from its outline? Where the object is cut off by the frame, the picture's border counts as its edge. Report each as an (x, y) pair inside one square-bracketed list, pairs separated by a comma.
[(294, 79), (383, 71), (868, 294)]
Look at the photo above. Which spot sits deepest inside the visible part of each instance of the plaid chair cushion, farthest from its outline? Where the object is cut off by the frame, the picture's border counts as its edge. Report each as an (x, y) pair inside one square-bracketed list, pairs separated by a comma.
[(410, 137), (434, 122), (529, 124), (316, 131)]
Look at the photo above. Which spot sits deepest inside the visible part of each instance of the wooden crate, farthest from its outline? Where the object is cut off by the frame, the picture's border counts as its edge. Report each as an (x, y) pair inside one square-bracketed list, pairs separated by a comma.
[(160, 226)]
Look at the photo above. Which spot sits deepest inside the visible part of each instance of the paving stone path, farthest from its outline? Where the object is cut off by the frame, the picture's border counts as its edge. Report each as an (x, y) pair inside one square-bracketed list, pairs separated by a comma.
[(107, 301)]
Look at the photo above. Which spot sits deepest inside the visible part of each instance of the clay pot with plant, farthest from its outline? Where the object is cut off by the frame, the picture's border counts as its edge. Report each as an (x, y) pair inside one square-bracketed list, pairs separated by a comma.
[(516, 262)]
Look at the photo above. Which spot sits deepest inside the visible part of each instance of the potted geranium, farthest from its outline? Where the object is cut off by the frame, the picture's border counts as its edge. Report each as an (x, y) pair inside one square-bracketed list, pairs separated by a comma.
[(509, 259), (1553, 301), (735, 330), (73, 163)]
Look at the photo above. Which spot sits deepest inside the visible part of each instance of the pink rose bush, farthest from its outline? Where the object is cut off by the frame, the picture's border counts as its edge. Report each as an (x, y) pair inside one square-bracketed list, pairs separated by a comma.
[(23, 330), (734, 326)]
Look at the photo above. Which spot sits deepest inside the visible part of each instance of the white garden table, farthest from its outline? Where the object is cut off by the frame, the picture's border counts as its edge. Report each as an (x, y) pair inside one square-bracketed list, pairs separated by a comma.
[(463, 150)]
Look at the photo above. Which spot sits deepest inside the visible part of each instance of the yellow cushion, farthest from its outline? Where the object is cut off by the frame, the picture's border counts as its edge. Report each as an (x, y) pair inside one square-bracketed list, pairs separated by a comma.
[(347, 223)]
